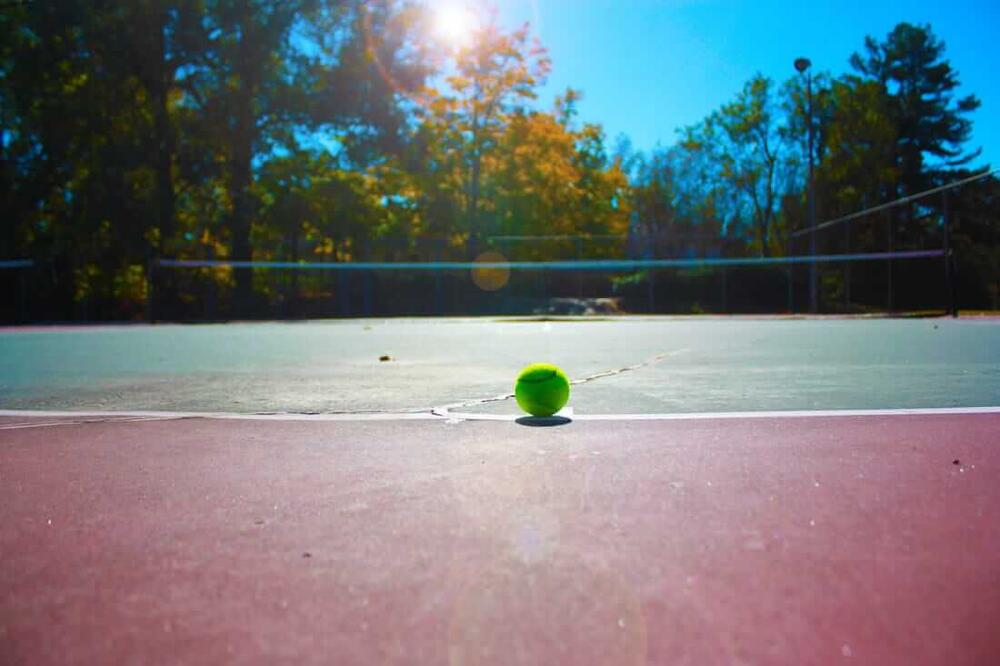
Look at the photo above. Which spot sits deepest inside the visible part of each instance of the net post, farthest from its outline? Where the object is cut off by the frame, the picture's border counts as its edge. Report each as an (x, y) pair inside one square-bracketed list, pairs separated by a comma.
[(650, 295), (366, 282), (366, 292), (789, 284), (725, 291), (949, 273), (150, 289), (344, 289), (890, 228), (438, 293), (438, 286), (212, 300), (847, 269), (20, 309)]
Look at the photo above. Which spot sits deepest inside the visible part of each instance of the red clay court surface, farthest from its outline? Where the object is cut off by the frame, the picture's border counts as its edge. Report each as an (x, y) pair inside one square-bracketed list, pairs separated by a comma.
[(857, 539)]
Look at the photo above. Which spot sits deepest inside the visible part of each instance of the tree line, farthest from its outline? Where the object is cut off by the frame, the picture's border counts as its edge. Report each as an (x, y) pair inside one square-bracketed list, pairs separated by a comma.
[(340, 130)]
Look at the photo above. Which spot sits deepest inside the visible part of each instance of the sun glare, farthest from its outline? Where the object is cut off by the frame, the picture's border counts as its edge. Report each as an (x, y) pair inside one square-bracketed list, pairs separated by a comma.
[(455, 25)]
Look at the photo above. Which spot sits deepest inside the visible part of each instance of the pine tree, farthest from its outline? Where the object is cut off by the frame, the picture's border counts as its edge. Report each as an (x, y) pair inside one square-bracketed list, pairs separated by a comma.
[(931, 122)]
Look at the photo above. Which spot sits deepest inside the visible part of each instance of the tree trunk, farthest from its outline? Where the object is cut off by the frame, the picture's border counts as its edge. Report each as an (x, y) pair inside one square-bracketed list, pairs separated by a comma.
[(159, 93), (473, 211), (239, 188), (240, 169)]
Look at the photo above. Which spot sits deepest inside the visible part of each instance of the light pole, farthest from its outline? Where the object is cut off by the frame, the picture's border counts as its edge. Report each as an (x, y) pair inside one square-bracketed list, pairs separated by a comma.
[(802, 66)]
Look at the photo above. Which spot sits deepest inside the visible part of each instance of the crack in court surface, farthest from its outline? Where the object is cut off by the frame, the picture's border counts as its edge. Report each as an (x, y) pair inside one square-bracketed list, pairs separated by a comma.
[(110, 418), (446, 409), (86, 416)]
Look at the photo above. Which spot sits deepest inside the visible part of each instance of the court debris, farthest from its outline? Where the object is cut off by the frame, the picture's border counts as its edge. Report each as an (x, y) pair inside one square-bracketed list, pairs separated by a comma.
[(581, 306)]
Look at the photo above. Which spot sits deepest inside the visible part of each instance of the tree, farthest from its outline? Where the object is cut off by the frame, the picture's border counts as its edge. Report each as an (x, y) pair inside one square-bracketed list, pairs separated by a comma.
[(601, 185), (244, 71), (546, 178), (655, 203), (857, 168), (743, 145), (274, 76), (75, 135), (493, 79), (921, 86), (976, 241), (366, 76), (161, 37)]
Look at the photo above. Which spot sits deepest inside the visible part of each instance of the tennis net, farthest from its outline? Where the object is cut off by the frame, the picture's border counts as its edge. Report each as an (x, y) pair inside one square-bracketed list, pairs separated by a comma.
[(13, 289), (205, 289)]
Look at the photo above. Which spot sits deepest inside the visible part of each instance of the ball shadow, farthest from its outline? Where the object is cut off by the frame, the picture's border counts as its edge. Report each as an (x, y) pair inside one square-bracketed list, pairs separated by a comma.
[(542, 421)]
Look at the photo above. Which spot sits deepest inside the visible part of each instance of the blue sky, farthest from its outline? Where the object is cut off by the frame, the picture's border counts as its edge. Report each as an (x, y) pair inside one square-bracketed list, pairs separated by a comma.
[(648, 67)]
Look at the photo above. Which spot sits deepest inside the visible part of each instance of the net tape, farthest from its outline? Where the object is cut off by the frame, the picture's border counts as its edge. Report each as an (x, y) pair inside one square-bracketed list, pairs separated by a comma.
[(611, 265)]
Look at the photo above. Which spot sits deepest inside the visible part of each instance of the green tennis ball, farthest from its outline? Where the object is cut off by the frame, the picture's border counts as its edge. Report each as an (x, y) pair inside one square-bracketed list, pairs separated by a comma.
[(542, 389)]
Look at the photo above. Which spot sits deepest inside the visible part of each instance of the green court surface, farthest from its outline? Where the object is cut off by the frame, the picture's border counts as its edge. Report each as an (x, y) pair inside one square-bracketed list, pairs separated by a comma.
[(622, 365)]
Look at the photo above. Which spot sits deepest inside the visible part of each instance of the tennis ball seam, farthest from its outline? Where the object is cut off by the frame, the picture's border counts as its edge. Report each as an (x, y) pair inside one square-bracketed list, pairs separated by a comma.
[(537, 380)]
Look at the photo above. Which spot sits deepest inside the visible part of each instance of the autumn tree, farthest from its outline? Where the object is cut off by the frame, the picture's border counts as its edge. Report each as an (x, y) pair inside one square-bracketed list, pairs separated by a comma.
[(493, 78), (547, 177)]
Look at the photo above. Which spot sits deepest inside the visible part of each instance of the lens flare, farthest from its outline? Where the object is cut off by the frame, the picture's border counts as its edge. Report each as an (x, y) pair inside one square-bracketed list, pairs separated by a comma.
[(455, 25), (491, 277)]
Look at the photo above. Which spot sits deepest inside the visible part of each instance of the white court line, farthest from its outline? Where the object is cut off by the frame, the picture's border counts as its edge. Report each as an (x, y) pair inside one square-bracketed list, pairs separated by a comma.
[(687, 416), (444, 413), (167, 415)]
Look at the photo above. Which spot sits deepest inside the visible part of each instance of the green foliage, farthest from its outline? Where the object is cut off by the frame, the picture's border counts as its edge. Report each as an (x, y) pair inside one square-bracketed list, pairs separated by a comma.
[(857, 166), (492, 81), (336, 130), (976, 241), (920, 86), (742, 149)]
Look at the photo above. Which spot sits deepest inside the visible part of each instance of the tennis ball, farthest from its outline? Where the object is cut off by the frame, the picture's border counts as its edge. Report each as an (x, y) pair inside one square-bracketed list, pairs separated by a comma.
[(542, 389)]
